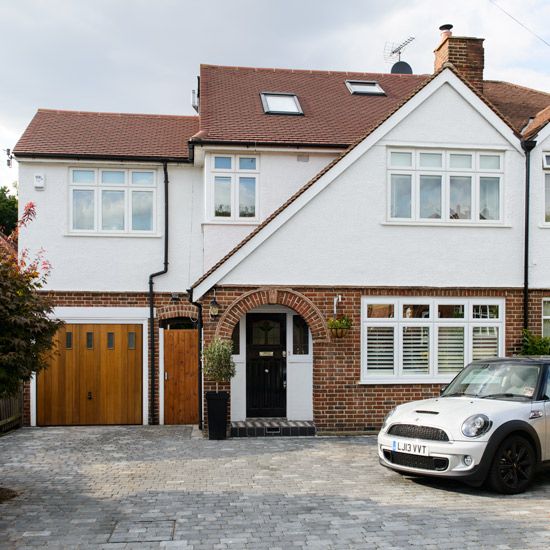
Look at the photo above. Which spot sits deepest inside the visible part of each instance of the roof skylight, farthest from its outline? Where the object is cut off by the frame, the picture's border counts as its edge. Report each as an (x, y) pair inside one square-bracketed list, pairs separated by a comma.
[(364, 87), (276, 103)]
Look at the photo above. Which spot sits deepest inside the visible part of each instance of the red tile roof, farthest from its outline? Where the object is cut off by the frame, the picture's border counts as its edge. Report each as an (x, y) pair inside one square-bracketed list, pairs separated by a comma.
[(518, 103), (538, 123), (231, 109), (54, 133), (232, 112)]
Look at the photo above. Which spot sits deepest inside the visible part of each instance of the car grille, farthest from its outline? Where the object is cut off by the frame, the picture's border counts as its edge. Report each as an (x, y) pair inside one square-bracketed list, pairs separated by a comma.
[(417, 461), (418, 432)]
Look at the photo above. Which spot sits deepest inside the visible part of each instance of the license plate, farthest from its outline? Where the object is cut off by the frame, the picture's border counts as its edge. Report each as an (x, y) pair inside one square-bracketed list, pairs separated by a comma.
[(410, 448)]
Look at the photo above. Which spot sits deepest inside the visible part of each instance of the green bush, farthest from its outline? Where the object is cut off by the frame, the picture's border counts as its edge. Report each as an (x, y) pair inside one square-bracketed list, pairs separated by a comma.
[(218, 361), (533, 344)]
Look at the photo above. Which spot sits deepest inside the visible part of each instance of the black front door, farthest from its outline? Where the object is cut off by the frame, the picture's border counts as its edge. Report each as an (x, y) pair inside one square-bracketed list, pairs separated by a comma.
[(266, 365)]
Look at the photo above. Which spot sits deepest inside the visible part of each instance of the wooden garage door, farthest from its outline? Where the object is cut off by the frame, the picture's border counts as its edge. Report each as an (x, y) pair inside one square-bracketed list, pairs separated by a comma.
[(181, 394), (94, 377)]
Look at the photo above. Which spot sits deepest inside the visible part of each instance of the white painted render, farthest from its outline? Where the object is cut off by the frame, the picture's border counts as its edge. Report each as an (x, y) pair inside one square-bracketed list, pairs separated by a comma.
[(341, 236), (113, 263), (281, 175), (99, 262), (539, 242)]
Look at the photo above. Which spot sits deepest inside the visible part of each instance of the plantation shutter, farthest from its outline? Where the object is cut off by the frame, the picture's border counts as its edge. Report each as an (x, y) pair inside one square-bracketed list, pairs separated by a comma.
[(484, 342), (380, 349), (450, 349), (416, 349)]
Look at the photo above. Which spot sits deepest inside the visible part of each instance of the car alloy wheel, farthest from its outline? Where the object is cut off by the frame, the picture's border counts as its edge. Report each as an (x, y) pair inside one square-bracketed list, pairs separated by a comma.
[(513, 466)]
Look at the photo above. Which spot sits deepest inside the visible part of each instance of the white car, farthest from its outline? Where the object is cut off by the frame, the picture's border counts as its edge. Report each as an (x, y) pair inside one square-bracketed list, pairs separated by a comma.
[(491, 423)]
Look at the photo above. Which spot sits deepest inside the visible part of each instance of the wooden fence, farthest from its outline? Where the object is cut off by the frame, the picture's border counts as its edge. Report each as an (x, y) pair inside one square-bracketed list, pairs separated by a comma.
[(11, 412)]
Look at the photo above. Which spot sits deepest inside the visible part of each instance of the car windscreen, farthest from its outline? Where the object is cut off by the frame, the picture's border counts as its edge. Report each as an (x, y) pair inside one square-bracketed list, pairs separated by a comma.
[(506, 380)]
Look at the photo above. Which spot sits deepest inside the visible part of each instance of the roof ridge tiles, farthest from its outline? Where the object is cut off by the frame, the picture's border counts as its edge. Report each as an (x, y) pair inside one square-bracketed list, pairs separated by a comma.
[(521, 87), (114, 113), (307, 71)]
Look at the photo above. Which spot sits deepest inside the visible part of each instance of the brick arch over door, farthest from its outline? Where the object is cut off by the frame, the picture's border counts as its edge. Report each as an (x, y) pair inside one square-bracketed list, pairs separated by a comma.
[(273, 296), (177, 310)]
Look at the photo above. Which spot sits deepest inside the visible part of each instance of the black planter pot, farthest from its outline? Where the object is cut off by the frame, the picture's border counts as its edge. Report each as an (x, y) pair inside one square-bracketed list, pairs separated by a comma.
[(217, 414)]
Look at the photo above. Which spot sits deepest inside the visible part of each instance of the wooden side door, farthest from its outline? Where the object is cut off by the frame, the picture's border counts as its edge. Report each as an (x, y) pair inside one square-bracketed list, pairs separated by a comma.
[(181, 397)]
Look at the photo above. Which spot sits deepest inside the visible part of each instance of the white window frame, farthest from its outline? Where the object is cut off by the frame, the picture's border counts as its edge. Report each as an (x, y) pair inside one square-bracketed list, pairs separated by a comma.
[(374, 87), (544, 317), (234, 174), (127, 187), (264, 97), (399, 321), (415, 171), (545, 174)]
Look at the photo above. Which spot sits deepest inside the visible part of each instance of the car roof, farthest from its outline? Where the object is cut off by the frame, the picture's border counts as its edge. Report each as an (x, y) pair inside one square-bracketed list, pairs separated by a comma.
[(524, 359)]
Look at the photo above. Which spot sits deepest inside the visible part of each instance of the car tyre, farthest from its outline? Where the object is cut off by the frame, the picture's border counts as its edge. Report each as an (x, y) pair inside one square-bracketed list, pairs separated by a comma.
[(513, 466)]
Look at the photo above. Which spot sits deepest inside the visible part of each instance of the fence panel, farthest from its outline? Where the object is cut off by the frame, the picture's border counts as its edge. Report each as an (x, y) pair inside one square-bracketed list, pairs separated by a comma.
[(11, 412)]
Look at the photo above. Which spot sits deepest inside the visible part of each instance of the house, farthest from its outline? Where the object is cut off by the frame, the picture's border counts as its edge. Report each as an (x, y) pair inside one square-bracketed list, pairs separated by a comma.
[(398, 200)]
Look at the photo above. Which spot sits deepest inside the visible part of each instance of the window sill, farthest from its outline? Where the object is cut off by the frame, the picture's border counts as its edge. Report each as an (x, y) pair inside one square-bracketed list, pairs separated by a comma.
[(119, 235), (406, 380), (544, 225), (448, 224), (232, 222)]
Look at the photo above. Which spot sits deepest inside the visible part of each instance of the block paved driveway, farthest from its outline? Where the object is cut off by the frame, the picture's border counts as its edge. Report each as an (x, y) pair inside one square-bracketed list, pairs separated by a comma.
[(151, 487)]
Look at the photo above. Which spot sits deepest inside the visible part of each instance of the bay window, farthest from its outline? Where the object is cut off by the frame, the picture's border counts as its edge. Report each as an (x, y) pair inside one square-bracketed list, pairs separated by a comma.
[(234, 188), (112, 201), (445, 186), (427, 339)]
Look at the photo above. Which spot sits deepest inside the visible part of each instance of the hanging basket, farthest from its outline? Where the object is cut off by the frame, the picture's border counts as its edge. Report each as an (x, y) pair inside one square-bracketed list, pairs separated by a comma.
[(339, 326), (338, 332)]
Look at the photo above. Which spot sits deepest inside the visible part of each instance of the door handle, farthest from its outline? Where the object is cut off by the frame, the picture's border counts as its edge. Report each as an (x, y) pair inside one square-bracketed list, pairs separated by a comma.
[(284, 354), (90, 395), (165, 376)]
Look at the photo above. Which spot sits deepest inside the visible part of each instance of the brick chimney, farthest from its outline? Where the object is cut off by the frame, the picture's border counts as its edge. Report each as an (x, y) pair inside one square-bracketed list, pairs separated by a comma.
[(465, 53)]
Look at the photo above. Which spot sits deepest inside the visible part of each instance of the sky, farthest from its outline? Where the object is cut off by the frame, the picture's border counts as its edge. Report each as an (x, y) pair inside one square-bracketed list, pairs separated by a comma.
[(144, 55)]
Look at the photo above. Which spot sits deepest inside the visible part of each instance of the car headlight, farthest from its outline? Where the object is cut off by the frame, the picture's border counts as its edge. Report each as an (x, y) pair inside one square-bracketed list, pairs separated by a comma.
[(386, 418), (476, 425)]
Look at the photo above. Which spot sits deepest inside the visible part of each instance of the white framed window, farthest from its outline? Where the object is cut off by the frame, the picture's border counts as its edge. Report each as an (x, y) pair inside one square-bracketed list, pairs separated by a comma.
[(234, 188), (546, 160), (112, 201), (547, 198), (546, 317), (425, 339), (278, 103), (364, 87), (440, 186)]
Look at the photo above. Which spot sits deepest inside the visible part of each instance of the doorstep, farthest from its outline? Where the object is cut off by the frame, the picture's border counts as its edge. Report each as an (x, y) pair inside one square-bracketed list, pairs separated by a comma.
[(272, 427)]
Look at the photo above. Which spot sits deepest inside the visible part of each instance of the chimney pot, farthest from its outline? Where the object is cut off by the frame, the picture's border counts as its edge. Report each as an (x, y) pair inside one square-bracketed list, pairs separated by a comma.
[(446, 31)]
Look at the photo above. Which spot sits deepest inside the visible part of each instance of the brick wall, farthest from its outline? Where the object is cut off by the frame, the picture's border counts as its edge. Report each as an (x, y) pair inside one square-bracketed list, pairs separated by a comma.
[(467, 56), (340, 403)]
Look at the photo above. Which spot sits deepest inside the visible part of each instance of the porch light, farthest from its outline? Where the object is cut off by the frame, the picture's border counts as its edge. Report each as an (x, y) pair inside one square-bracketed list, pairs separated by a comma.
[(214, 308)]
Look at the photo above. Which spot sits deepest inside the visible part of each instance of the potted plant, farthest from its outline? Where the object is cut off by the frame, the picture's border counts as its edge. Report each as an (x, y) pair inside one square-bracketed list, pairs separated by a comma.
[(219, 367), (339, 326)]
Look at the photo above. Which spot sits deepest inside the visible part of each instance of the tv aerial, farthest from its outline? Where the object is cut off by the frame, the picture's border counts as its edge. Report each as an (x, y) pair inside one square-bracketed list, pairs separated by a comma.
[(393, 51)]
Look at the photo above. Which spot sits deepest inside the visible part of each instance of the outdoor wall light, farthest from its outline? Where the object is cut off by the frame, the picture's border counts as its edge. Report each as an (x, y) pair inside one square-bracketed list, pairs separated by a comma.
[(214, 308), (175, 298)]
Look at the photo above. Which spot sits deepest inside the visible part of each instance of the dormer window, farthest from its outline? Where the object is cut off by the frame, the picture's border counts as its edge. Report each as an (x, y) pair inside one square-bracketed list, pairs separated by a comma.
[(276, 103), (364, 87)]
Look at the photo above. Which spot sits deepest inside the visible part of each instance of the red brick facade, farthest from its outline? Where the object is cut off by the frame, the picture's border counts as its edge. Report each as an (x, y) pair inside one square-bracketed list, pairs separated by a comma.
[(340, 402)]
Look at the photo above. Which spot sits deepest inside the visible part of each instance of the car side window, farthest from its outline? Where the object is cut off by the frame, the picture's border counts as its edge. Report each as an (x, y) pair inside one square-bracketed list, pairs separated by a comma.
[(546, 394)]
